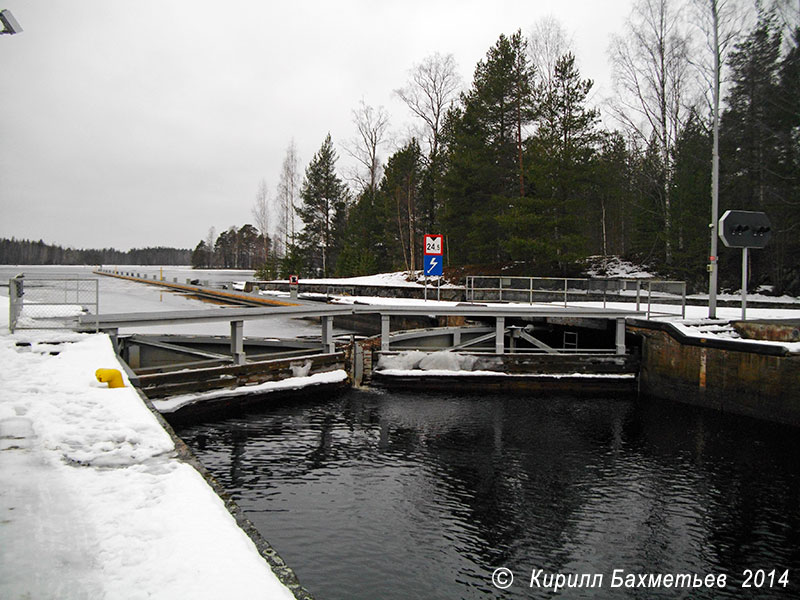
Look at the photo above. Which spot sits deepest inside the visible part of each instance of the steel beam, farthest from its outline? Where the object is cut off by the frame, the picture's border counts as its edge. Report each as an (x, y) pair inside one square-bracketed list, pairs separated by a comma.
[(500, 335), (237, 342), (621, 336), (328, 344)]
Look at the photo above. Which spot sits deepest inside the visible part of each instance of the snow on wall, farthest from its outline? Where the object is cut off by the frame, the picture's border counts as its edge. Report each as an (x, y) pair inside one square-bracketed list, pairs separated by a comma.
[(93, 499)]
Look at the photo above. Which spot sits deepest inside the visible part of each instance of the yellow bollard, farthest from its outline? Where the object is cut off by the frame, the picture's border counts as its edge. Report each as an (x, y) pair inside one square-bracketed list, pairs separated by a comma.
[(110, 376)]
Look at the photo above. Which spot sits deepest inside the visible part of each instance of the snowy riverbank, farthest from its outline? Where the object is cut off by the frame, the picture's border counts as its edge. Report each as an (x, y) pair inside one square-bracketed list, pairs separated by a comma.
[(94, 500)]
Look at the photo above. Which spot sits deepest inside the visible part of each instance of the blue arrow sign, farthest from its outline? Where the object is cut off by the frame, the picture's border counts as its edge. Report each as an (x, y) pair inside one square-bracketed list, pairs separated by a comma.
[(433, 265)]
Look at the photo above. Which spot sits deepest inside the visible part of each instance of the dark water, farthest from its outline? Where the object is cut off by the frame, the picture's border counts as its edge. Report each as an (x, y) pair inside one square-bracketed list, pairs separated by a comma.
[(396, 496)]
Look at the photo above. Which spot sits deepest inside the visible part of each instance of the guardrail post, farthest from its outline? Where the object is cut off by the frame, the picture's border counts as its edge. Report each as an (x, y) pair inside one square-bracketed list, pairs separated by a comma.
[(237, 342)]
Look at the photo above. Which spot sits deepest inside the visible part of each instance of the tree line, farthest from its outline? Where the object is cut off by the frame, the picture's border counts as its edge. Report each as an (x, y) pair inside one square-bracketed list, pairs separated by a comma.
[(518, 170), (28, 252)]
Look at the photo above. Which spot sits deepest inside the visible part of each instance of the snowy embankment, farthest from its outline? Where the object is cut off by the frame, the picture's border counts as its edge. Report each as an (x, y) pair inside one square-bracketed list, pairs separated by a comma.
[(397, 279), (94, 502)]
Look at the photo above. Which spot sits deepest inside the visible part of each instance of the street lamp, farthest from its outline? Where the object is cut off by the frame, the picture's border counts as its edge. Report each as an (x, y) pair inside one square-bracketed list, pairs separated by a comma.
[(10, 25)]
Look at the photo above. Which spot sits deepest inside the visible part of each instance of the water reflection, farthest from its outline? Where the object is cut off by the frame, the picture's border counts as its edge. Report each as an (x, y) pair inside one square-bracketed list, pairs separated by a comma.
[(379, 495)]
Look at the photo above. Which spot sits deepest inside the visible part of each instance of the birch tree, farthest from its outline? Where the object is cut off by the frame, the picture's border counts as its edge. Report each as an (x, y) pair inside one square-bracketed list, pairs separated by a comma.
[(432, 87), (548, 42), (372, 125), (651, 73), (286, 201), (261, 217)]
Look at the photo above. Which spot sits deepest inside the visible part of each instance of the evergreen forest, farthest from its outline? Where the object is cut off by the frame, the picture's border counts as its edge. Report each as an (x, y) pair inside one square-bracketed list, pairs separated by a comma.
[(520, 175)]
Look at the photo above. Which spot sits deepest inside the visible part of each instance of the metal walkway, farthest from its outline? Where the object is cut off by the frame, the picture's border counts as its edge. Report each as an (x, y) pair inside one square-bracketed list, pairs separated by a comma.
[(237, 316)]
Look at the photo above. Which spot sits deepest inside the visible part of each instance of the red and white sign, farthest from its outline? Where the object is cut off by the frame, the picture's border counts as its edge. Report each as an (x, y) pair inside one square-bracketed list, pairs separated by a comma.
[(433, 244), (294, 280)]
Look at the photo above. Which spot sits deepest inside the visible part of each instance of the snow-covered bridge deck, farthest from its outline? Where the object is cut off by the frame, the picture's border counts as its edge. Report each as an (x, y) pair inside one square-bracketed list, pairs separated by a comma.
[(326, 312)]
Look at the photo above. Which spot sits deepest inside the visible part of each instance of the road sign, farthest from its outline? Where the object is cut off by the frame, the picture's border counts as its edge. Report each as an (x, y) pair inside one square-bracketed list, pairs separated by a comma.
[(433, 245), (433, 265), (744, 229)]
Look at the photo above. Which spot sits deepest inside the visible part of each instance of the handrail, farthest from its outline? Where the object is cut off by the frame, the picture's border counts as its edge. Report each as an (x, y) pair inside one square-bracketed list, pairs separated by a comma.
[(583, 287)]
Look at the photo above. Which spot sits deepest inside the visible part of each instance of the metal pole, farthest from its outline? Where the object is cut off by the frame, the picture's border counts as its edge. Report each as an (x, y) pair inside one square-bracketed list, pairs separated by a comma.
[(744, 283), (683, 300), (12, 305), (712, 266), (566, 283)]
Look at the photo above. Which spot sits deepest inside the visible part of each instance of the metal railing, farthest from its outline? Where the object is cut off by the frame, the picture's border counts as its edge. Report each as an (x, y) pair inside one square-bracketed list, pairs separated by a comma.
[(51, 303), (566, 290)]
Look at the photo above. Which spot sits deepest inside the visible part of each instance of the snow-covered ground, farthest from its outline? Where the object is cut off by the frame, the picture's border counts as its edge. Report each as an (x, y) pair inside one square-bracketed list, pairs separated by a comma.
[(94, 502), (397, 279)]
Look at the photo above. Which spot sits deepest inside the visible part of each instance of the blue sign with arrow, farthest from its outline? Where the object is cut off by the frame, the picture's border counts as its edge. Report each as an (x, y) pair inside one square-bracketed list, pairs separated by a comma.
[(433, 265)]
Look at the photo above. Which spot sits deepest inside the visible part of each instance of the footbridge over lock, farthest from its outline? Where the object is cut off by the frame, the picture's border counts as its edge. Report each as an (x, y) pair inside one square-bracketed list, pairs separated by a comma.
[(512, 334)]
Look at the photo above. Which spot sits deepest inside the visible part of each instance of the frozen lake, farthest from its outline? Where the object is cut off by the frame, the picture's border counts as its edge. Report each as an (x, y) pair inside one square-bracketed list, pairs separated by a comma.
[(119, 296)]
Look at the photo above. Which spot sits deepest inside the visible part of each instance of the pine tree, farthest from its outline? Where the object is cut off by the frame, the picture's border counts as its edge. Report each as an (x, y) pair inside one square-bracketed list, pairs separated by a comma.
[(483, 162), (400, 193), (323, 210), (562, 156), (758, 148)]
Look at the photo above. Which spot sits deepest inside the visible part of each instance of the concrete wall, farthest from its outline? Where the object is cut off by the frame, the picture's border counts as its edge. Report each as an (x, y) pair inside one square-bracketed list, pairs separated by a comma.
[(756, 380)]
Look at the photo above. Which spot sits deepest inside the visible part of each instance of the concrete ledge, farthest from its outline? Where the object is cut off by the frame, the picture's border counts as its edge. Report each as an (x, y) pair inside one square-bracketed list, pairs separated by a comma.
[(282, 571), (744, 378)]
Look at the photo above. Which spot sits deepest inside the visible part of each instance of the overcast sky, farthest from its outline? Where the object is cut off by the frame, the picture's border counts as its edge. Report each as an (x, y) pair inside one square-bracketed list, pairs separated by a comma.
[(143, 123)]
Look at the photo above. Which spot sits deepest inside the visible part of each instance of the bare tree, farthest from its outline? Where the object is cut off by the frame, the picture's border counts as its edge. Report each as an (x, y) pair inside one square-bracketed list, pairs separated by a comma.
[(372, 125), (288, 189), (548, 42), (211, 239), (433, 85), (788, 13), (651, 75), (261, 217)]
